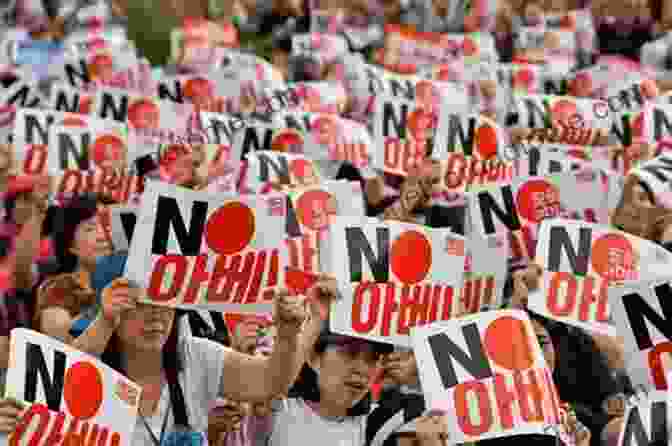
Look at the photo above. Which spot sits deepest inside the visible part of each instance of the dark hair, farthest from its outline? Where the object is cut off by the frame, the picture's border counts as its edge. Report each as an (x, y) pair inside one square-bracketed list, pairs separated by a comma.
[(171, 361), (65, 222)]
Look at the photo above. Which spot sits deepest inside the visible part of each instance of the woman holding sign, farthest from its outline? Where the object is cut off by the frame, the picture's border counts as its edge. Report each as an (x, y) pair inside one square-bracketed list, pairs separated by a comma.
[(182, 375)]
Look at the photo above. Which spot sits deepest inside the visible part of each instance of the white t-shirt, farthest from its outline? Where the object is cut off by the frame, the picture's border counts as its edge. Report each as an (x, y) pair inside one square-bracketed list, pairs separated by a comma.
[(200, 379), (296, 424)]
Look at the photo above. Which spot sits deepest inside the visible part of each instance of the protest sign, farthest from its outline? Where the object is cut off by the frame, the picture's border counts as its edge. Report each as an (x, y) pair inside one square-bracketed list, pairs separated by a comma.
[(543, 111), (487, 373), (31, 136), (641, 312), (336, 139), (65, 98), (221, 252), (286, 170), (485, 272), (460, 173), (310, 212), (70, 396), (657, 122), (392, 276), (122, 225), (403, 133), (91, 159), (657, 175), (647, 422), (272, 135), (151, 121), (472, 135), (581, 261), (523, 204)]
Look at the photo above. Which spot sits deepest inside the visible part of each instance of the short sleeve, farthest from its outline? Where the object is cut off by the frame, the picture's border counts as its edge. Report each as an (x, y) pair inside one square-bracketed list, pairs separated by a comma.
[(203, 367)]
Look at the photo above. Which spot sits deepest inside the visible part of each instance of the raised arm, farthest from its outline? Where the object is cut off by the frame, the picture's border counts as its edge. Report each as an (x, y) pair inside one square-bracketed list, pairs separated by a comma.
[(116, 298), (255, 379)]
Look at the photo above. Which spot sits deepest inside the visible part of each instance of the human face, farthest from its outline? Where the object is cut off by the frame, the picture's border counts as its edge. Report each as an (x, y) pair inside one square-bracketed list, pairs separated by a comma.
[(545, 343), (90, 242), (344, 372), (146, 328)]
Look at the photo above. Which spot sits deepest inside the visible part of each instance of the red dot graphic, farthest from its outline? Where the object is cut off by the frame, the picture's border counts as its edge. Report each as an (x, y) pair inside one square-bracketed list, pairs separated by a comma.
[(230, 228), (83, 390), (411, 257), (564, 110), (486, 141), (613, 257), (524, 78), (508, 344)]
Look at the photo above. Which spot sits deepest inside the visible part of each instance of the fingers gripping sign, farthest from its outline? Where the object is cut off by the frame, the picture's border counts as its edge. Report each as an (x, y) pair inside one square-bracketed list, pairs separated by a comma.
[(118, 297), (289, 314)]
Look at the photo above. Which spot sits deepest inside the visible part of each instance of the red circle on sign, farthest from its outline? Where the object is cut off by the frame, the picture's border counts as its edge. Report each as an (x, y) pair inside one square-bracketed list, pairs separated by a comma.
[(537, 200), (638, 126), (144, 114), (564, 110), (508, 344), (200, 91), (486, 141), (303, 171), (101, 66), (524, 78), (314, 209), (196, 87), (469, 47), (287, 141), (83, 390), (613, 257), (230, 228), (107, 148), (581, 85), (411, 257), (649, 89), (85, 105)]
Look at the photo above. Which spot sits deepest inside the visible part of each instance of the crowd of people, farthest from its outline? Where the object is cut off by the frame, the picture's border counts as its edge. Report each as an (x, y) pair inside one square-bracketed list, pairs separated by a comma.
[(287, 378)]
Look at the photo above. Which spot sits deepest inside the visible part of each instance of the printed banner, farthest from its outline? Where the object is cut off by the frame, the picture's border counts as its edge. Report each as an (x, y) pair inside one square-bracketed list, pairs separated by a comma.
[(488, 374), (392, 276), (310, 213), (151, 121), (91, 159), (640, 312), (521, 206), (65, 98), (485, 272), (543, 111), (580, 262), (404, 134), (31, 136), (87, 401), (193, 249), (122, 225), (647, 422), (286, 170), (336, 139)]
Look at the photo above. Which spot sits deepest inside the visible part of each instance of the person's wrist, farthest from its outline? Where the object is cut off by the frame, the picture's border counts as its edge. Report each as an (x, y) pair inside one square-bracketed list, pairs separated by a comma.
[(110, 323)]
